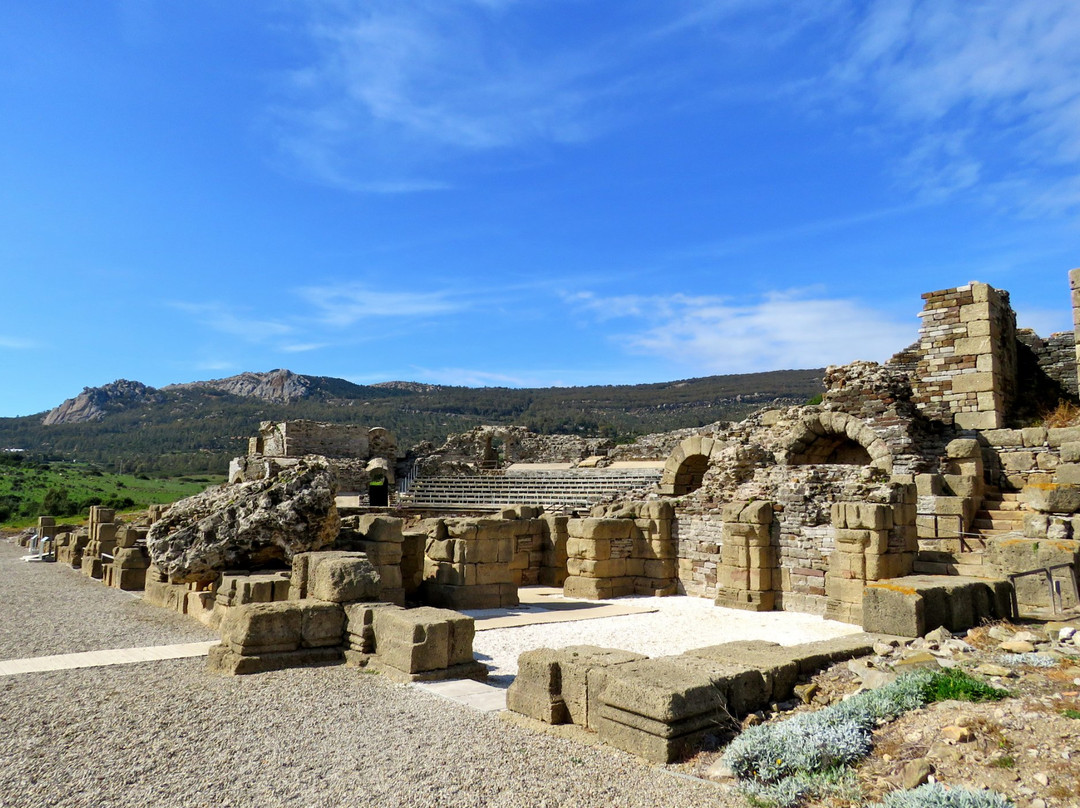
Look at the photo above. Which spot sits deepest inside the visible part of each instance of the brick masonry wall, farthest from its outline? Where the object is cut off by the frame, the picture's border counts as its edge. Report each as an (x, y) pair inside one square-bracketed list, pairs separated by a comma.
[(967, 372), (1055, 356)]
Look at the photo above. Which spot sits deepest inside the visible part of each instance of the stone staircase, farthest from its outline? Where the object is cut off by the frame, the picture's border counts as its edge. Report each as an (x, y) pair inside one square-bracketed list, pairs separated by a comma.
[(566, 489), (998, 515)]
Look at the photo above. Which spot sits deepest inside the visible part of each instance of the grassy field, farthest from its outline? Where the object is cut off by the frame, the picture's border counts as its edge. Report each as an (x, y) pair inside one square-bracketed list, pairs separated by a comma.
[(67, 490)]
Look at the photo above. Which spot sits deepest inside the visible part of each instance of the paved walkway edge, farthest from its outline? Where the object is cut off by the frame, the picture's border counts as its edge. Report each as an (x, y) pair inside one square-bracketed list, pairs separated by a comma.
[(95, 659)]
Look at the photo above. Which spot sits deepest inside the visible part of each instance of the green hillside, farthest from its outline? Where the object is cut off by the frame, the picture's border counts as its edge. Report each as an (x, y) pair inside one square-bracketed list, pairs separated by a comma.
[(67, 490), (196, 429)]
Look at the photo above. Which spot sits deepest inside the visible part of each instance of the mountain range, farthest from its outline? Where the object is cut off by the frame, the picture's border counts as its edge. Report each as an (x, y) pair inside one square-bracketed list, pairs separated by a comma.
[(198, 426)]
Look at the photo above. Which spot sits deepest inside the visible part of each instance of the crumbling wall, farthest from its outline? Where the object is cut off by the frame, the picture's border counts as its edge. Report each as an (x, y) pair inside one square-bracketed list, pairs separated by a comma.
[(1054, 357), (967, 371), (299, 438), (479, 562), (622, 549), (497, 446)]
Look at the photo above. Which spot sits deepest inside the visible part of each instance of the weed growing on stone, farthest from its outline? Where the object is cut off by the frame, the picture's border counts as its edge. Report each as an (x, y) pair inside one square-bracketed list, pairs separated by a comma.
[(934, 795), (1070, 713)]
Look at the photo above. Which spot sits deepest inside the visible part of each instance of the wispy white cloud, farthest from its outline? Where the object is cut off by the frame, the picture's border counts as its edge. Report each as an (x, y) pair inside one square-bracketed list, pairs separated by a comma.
[(303, 347), (782, 330), (344, 305), (393, 85), (985, 92), (17, 343), (216, 365), (235, 322)]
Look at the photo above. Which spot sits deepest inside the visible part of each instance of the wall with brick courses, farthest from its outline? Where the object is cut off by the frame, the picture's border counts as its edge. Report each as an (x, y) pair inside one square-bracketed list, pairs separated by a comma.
[(1017, 457), (967, 372), (1054, 356)]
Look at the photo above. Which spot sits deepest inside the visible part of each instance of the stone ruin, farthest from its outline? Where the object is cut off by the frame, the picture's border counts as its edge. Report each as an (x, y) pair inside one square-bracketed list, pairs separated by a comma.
[(363, 459), (912, 497)]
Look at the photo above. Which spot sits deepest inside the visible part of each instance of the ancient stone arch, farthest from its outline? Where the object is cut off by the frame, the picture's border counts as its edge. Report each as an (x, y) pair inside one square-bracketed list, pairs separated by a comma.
[(836, 437), (686, 466)]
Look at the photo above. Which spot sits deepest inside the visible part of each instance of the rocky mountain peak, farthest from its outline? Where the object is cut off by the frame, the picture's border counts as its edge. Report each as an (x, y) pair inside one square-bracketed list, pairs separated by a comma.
[(93, 402), (279, 386)]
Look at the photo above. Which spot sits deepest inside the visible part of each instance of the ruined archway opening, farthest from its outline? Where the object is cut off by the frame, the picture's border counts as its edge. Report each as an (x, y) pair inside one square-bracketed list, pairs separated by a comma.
[(690, 474), (833, 449)]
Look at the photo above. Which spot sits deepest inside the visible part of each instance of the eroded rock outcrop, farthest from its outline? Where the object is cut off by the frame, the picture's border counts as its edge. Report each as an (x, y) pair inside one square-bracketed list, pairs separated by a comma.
[(249, 525)]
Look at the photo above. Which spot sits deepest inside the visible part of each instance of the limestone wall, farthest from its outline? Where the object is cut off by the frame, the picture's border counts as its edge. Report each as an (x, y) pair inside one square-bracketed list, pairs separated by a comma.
[(967, 372), (1055, 356), (479, 562), (625, 549), (1018, 457)]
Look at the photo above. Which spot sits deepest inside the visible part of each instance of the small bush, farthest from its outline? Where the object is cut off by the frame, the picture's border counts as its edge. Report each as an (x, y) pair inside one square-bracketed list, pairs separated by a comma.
[(814, 742), (1065, 414), (934, 795)]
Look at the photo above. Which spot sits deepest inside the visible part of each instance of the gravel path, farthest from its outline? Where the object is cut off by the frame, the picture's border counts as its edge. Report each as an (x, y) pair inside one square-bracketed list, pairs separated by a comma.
[(53, 609), (170, 734)]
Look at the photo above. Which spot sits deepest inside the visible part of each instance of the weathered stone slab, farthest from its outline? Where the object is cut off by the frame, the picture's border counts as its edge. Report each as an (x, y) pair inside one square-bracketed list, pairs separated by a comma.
[(223, 659), (913, 605)]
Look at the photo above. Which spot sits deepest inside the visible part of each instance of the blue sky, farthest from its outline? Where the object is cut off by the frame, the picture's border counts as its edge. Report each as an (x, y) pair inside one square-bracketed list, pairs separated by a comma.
[(520, 192)]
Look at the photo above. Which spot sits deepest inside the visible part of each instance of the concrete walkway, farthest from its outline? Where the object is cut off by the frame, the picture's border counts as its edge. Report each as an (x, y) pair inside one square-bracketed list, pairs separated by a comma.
[(95, 659)]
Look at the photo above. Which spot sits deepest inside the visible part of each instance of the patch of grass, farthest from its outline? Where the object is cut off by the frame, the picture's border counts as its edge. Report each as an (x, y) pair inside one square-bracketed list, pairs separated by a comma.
[(953, 684), (1071, 713), (74, 487), (1003, 762)]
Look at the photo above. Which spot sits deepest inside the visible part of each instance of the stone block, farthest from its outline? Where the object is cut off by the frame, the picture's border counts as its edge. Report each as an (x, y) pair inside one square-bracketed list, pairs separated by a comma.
[(1034, 436), (928, 485), (776, 665), (973, 383), (1062, 436), (962, 485), (1004, 437), (597, 588), (661, 708), (917, 604), (978, 420), (263, 628), (345, 580), (596, 550), (1070, 452), (360, 624), (223, 659), (322, 624), (537, 689), (413, 640), (601, 528), (1067, 473), (1052, 498)]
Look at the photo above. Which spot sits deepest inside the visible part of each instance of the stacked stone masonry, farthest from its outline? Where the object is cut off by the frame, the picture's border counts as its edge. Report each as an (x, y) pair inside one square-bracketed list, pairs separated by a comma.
[(623, 550), (966, 374)]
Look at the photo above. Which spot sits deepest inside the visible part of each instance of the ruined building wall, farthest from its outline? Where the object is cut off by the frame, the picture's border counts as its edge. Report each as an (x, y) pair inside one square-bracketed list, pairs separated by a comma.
[(966, 374), (1054, 356), (299, 438)]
